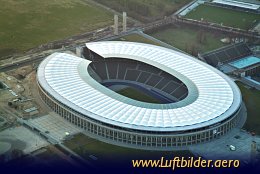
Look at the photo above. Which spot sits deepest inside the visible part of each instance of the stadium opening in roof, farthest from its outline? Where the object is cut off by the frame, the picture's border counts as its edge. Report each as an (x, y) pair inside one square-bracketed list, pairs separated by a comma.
[(195, 102), (118, 74)]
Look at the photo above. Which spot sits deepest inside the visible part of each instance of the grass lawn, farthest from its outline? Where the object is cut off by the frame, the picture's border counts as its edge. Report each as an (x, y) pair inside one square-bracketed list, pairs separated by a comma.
[(225, 16), (251, 97), (46, 159), (47, 155), (190, 40), (29, 23), (145, 10), (85, 146), (137, 38), (137, 95)]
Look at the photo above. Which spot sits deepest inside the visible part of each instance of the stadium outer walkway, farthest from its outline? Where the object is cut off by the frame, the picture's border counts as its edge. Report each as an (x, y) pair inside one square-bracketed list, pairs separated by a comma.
[(219, 148)]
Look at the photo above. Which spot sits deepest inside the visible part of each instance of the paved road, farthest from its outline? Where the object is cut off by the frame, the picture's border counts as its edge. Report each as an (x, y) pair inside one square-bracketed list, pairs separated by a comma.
[(15, 65), (38, 57), (53, 140)]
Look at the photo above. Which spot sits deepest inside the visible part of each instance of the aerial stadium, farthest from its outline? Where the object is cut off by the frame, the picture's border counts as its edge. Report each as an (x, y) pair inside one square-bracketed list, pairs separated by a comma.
[(195, 102)]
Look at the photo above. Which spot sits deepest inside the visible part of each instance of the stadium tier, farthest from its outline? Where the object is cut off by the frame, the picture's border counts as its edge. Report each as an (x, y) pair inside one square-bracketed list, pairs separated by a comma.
[(227, 54), (118, 70), (239, 4), (208, 103)]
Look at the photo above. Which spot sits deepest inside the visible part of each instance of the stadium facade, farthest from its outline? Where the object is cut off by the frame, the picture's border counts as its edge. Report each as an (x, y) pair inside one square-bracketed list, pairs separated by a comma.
[(198, 102)]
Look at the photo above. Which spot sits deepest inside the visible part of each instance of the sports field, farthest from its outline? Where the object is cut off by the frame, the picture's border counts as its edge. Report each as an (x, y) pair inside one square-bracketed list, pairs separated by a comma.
[(251, 97), (224, 16), (190, 40), (137, 95), (29, 23)]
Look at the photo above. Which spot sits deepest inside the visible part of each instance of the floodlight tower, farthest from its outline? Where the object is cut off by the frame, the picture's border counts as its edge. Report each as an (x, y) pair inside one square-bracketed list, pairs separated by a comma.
[(79, 51)]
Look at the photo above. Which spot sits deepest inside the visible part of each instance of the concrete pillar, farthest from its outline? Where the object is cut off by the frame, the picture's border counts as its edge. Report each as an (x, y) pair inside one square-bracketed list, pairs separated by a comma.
[(78, 51), (116, 24), (253, 152), (124, 21)]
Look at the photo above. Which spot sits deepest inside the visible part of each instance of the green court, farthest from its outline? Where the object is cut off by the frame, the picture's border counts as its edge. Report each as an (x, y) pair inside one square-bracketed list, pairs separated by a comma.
[(189, 39), (224, 16), (137, 95)]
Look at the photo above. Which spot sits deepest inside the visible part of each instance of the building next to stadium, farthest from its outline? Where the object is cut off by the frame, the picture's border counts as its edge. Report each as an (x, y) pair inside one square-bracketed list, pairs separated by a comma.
[(197, 102), (238, 60), (248, 5)]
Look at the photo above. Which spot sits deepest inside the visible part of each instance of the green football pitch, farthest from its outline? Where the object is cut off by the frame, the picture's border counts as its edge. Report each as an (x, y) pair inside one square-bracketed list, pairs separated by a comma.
[(137, 95), (224, 16)]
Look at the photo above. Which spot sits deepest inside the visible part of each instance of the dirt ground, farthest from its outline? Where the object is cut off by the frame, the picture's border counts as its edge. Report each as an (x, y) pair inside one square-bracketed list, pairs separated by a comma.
[(22, 82)]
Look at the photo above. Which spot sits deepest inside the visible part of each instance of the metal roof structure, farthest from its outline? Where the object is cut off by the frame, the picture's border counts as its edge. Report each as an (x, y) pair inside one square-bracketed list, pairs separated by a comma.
[(212, 96), (240, 4)]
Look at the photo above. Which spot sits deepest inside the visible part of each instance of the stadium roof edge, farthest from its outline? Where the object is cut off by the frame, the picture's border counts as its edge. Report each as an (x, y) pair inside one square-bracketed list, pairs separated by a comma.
[(218, 98)]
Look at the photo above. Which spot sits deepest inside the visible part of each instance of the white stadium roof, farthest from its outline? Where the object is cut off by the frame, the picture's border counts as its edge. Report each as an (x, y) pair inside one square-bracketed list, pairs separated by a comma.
[(246, 5), (212, 96)]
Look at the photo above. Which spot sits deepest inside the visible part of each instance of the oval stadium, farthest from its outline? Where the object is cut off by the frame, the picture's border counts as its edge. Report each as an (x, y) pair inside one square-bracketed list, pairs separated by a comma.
[(186, 101)]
